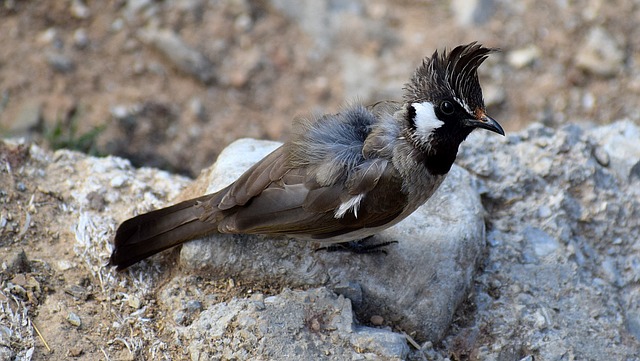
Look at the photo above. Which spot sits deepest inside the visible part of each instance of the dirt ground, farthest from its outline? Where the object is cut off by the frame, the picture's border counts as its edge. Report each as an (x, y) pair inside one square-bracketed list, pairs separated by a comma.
[(94, 76)]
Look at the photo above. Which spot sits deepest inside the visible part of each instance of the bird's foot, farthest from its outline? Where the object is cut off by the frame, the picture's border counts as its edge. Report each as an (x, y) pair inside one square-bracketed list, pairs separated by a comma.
[(358, 247)]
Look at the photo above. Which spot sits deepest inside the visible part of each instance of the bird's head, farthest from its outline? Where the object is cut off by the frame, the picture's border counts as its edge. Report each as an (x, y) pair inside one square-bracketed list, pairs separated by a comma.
[(444, 102)]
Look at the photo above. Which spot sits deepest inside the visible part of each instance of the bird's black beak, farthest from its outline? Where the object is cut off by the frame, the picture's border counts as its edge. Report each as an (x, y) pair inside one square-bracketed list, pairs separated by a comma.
[(486, 122)]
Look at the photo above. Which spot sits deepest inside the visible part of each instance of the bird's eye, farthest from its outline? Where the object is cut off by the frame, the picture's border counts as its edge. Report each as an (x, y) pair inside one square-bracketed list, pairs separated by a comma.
[(446, 107)]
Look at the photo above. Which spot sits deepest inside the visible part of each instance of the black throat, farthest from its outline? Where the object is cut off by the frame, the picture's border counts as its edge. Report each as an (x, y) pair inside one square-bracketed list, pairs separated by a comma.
[(441, 151)]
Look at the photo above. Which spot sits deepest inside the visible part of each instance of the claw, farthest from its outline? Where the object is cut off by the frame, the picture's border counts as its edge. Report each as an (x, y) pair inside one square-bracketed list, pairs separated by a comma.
[(358, 247)]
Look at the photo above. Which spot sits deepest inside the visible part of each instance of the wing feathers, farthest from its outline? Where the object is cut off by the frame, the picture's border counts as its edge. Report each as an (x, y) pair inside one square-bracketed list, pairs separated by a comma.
[(252, 182), (288, 193)]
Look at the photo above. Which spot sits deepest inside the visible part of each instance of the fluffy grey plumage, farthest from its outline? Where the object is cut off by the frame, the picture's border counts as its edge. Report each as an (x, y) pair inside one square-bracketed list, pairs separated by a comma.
[(331, 144), (341, 177)]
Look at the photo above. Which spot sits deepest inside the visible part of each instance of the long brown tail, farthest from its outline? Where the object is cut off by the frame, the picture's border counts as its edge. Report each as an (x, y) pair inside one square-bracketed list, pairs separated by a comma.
[(147, 234)]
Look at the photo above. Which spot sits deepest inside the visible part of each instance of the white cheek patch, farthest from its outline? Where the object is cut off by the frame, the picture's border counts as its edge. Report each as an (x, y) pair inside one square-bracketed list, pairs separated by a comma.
[(426, 120)]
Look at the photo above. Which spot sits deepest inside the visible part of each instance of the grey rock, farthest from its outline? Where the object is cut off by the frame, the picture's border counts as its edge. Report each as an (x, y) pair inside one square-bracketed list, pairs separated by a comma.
[(181, 55), (302, 325), (388, 344), (74, 319), (60, 62), (619, 141), (187, 313), (600, 53), (633, 323), (6, 354), (21, 187), (51, 37), (79, 10), (417, 285), (543, 244), (472, 12), (194, 306), (80, 38), (577, 297), (134, 302), (5, 336), (634, 172), (350, 290), (601, 156), (564, 253), (523, 57)]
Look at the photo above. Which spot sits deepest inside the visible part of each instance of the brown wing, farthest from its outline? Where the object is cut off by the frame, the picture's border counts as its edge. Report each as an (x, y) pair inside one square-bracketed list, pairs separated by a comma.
[(255, 180), (292, 203)]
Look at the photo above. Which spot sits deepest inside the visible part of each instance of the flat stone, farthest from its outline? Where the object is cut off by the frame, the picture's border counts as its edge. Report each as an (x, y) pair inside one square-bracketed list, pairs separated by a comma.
[(303, 325), (417, 285)]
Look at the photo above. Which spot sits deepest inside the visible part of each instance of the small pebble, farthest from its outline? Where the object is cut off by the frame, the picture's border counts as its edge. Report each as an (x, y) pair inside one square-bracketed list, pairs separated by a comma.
[(601, 155), (377, 320), (74, 319), (60, 62), (521, 58), (194, 306), (21, 187), (80, 38), (48, 36), (635, 171), (544, 212), (75, 351), (5, 335), (315, 325), (96, 201), (180, 318), (118, 181), (77, 292), (79, 10), (134, 302)]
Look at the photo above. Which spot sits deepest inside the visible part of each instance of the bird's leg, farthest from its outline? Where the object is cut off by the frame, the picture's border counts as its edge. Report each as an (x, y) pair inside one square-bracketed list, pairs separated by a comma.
[(358, 247)]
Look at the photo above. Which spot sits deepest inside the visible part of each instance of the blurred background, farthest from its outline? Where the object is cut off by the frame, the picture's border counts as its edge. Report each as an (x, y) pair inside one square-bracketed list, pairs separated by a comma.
[(170, 83)]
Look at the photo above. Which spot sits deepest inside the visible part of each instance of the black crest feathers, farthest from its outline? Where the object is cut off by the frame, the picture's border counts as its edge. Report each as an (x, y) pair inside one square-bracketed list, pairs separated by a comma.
[(451, 73)]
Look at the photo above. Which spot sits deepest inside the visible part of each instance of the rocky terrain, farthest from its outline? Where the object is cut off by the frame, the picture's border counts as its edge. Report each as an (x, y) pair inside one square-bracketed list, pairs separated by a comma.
[(554, 277), (549, 270)]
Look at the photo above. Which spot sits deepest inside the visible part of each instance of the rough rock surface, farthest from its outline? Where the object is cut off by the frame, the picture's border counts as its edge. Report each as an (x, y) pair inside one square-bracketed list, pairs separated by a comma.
[(559, 278), (417, 285), (265, 327)]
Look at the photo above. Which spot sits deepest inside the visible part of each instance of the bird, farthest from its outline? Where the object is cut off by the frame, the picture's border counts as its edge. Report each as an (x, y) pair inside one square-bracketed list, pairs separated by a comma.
[(341, 177)]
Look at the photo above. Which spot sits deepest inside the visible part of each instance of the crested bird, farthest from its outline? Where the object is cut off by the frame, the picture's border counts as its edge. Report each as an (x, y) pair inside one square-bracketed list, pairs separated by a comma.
[(341, 177)]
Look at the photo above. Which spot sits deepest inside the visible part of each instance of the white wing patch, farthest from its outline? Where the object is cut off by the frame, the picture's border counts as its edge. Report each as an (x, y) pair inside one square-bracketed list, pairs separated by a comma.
[(426, 120), (352, 203)]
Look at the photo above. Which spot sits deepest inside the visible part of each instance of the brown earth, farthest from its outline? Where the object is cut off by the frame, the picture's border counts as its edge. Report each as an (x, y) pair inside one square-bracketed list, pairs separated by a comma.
[(83, 75)]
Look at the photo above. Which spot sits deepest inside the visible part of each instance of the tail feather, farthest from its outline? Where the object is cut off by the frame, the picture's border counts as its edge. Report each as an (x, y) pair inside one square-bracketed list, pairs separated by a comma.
[(147, 234)]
